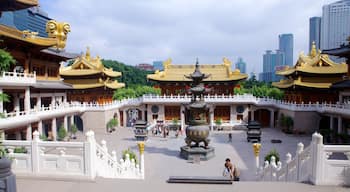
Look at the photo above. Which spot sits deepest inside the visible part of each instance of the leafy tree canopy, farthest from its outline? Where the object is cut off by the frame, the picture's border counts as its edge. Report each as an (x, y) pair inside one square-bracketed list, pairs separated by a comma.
[(131, 76), (258, 89), (6, 60), (134, 91)]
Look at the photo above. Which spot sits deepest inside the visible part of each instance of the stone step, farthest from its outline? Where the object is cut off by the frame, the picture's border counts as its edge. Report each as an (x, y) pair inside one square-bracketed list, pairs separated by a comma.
[(199, 179)]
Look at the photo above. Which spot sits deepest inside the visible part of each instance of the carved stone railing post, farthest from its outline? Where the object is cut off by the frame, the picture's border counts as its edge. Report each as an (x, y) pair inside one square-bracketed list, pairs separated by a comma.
[(300, 149), (90, 154), (288, 160), (317, 159), (35, 152)]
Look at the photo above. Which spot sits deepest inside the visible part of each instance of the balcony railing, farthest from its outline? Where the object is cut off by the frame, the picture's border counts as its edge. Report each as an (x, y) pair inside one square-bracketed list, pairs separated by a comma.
[(229, 99), (18, 78)]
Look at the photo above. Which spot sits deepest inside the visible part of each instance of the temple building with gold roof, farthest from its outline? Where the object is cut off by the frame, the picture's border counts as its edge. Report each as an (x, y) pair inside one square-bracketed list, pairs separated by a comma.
[(91, 81), (172, 79), (311, 78)]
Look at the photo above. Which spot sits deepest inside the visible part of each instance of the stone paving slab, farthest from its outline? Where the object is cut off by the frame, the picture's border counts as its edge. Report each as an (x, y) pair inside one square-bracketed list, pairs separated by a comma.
[(162, 161)]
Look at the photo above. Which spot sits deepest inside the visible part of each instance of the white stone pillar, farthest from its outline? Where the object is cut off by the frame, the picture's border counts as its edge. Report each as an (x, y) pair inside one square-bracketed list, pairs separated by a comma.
[(272, 119), (252, 118), (1, 102), (331, 122), (16, 103), (54, 129), (40, 127), (182, 118), (53, 101), (27, 100), (211, 116), (143, 115), (65, 98), (18, 135), (340, 123), (233, 115), (38, 102), (29, 132), (65, 122), (72, 120), (124, 117)]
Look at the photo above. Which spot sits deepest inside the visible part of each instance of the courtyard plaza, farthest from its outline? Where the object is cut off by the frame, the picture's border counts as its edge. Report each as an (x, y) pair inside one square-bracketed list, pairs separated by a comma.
[(162, 160)]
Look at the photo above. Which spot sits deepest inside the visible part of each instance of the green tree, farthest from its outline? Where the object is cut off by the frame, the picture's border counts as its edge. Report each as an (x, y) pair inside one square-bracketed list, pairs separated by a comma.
[(6, 60), (134, 91)]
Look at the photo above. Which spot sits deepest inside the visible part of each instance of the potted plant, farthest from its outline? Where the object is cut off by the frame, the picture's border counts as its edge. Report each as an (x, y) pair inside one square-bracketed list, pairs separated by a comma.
[(62, 133), (111, 124), (131, 153), (74, 130), (271, 153), (218, 123)]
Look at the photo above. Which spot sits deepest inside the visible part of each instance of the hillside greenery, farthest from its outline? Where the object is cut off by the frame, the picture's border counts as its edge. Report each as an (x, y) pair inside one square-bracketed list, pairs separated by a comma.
[(131, 76), (258, 89)]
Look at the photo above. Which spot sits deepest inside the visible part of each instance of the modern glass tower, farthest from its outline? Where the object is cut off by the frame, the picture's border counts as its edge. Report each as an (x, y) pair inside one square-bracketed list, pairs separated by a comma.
[(271, 61), (286, 46), (33, 19), (241, 65), (315, 32), (335, 24)]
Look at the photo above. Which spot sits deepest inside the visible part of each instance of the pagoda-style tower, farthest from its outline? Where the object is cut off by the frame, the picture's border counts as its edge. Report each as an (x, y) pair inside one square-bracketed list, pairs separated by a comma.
[(91, 81), (196, 111), (311, 77)]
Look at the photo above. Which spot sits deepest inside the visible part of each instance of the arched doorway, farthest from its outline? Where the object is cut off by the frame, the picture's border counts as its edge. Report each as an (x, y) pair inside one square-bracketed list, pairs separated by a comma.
[(79, 123), (132, 115), (263, 117)]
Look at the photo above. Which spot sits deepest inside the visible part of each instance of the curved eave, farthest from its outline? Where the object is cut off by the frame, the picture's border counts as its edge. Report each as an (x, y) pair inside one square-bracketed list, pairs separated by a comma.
[(113, 85), (285, 72), (112, 73), (301, 84), (340, 69), (79, 72), (19, 35), (156, 77)]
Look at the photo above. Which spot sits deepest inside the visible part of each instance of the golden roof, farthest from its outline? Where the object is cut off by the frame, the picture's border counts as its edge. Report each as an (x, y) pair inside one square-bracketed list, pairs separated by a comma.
[(219, 72), (94, 83), (26, 36), (315, 63), (85, 65), (283, 84)]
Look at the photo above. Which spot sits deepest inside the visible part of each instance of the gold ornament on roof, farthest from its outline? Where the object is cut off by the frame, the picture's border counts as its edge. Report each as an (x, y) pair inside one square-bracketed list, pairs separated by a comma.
[(227, 62), (87, 54), (313, 51), (58, 30), (166, 63)]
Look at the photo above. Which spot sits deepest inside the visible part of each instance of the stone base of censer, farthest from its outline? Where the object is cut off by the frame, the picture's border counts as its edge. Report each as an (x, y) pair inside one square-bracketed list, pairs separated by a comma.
[(190, 153)]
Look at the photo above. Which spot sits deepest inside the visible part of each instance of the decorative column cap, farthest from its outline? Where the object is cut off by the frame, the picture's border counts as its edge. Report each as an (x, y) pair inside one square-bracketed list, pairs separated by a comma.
[(256, 148), (141, 146)]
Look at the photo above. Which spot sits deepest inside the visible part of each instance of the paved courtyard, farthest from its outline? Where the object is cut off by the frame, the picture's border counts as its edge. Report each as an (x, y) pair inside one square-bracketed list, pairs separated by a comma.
[(162, 160)]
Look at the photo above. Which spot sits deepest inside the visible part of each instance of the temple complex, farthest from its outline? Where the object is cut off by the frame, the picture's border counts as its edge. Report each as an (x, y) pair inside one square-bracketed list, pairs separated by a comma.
[(311, 78), (34, 82), (91, 81), (173, 82)]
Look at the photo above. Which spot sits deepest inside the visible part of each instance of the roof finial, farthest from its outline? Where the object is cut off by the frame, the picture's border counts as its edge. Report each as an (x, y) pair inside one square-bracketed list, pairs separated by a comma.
[(313, 49), (87, 55), (197, 63)]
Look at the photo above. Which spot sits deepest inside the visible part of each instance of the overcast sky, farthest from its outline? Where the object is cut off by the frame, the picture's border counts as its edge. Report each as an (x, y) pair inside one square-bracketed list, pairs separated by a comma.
[(141, 31)]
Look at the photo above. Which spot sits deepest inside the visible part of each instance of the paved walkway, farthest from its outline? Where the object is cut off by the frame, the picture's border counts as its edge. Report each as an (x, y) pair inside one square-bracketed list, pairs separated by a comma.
[(162, 160)]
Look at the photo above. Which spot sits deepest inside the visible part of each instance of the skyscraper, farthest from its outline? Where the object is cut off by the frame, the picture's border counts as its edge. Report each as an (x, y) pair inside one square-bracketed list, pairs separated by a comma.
[(315, 32), (33, 19), (286, 46), (241, 65), (335, 24), (271, 61)]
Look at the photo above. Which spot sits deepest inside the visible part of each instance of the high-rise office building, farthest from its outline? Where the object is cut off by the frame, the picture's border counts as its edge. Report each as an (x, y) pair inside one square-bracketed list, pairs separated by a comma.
[(272, 61), (315, 32), (286, 46), (33, 19), (158, 65), (241, 65), (335, 24)]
